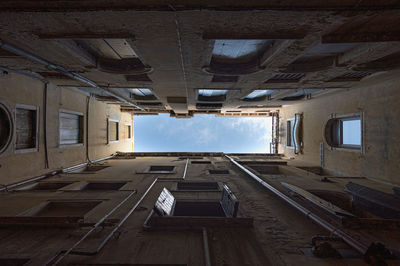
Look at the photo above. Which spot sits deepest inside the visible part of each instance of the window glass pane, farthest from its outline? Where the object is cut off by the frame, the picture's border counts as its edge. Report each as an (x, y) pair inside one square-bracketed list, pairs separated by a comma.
[(351, 130), (259, 93), (204, 92)]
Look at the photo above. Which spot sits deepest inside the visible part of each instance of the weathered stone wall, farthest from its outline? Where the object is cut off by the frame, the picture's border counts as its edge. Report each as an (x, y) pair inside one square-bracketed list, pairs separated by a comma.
[(17, 89)]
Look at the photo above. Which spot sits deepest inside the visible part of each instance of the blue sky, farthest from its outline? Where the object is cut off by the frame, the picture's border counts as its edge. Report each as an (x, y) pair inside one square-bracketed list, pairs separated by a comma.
[(202, 133)]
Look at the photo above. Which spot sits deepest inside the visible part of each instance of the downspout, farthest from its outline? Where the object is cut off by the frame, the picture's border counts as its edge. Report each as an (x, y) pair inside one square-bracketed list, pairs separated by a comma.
[(87, 128), (67, 73), (332, 229)]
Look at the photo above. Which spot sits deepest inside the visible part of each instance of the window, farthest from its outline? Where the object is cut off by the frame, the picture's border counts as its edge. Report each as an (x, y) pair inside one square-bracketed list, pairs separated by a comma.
[(161, 169), (71, 127), (113, 131), (290, 132), (26, 128), (142, 94), (5, 128), (128, 131), (212, 95), (258, 95), (344, 132)]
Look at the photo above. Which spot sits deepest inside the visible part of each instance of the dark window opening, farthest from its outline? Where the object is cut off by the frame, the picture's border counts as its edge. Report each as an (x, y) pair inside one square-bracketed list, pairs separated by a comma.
[(49, 186), (197, 186), (218, 172), (104, 186), (290, 133), (207, 209), (266, 169), (200, 162), (218, 78), (141, 77), (209, 105), (161, 168), (128, 131)]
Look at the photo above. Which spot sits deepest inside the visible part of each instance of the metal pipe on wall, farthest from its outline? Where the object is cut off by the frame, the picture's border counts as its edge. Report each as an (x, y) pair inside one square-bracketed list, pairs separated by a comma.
[(360, 247), (66, 72)]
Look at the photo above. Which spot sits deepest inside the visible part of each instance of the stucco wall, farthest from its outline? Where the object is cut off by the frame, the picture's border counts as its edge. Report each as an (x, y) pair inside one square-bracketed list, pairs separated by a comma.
[(17, 89), (377, 97)]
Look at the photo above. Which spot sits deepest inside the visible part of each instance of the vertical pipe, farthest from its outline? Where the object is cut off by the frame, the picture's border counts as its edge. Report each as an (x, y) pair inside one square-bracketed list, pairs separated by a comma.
[(206, 248), (87, 127), (46, 151), (186, 167)]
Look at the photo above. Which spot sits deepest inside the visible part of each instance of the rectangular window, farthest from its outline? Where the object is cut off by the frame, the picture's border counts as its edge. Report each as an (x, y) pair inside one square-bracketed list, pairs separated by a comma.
[(290, 133), (349, 132), (128, 131), (71, 128), (113, 130), (26, 128)]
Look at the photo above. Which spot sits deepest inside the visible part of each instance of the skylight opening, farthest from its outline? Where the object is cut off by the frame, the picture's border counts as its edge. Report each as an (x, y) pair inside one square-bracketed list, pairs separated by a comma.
[(203, 133)]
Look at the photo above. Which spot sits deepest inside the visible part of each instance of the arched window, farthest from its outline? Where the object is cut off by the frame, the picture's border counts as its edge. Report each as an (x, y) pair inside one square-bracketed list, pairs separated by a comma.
[(5, 128), (344, 132)]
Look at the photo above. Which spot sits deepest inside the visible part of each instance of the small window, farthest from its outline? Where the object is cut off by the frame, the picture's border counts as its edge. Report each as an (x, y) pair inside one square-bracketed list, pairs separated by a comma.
[(161, 169), (128, 131), (26, 128), (212, 95), (344, 132), (258, 95), (71, 128), (290, 132), (5, 128), (113, 131)]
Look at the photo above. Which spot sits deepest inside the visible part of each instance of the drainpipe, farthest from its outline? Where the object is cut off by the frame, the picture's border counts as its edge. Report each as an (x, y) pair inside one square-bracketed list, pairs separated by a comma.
[(67, 73), (332, 229)]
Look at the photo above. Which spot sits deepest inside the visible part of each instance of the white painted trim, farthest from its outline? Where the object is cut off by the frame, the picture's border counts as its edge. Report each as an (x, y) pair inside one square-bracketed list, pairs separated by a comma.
[(108, 131)]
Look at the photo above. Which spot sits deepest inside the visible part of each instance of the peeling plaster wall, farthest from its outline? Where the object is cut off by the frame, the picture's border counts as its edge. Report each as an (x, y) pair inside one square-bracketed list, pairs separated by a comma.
[(377, 97), (17, 89)]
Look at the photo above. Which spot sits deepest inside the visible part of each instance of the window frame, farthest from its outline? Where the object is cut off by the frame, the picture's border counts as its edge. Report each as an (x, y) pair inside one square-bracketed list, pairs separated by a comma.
[(108, 131), (336, 141), (291, 132), (130, 131), (31, 108), (81, 130)]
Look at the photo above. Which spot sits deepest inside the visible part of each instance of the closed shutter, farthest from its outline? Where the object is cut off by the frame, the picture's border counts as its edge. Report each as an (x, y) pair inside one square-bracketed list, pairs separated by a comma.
[(25, 129), (113, 131), (71, 128)]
